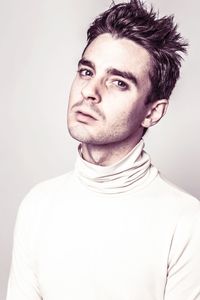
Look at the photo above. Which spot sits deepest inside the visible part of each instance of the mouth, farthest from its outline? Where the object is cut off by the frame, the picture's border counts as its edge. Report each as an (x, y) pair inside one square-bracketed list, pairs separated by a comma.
[(85, 117)]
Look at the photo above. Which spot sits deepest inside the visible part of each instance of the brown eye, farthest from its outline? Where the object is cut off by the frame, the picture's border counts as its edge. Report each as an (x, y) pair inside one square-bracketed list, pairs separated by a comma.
[(85, 72), (121, 84)]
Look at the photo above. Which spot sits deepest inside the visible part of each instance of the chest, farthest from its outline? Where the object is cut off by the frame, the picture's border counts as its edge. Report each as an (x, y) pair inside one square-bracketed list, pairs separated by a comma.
[(88, 249)]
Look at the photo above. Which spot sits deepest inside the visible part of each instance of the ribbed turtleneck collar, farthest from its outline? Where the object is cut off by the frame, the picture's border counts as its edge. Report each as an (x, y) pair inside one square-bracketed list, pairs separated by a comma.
[(132, 172)]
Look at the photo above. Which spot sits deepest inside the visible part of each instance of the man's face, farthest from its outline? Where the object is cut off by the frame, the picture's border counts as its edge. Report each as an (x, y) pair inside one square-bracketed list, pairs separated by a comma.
[(107, 98)]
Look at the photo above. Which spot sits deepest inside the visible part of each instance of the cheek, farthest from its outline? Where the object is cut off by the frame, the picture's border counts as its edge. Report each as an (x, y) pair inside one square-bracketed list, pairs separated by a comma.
[(74, 94), (73, 87), (136, 117), (118, 109), (120, 120), (127, 117)]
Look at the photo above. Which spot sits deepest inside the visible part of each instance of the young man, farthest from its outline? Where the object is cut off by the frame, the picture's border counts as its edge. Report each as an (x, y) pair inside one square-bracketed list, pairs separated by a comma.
[(113, 228)]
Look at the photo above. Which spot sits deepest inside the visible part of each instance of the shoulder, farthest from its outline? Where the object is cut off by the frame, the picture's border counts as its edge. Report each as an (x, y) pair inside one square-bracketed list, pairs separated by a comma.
[(180, 210), (42, 197), (172, 198), (53, 184)]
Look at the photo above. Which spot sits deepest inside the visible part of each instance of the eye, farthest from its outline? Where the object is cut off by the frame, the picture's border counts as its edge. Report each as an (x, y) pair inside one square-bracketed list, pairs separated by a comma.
[(121, 84), (83, 72)]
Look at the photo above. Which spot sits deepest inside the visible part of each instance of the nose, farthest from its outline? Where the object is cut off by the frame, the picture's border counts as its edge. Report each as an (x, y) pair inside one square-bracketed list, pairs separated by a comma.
[(91, 91)]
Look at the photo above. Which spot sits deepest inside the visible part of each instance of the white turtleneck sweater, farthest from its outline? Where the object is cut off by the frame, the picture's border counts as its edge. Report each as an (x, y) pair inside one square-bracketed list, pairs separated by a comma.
[(118, 232)]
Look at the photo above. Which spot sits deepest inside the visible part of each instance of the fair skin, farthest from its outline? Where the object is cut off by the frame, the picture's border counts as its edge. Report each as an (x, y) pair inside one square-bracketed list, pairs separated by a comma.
[(107, 110)]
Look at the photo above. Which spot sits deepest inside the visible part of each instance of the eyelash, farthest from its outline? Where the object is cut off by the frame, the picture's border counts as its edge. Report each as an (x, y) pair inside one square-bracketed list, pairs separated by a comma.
[(124, 85), (82, 70), (120, 83)]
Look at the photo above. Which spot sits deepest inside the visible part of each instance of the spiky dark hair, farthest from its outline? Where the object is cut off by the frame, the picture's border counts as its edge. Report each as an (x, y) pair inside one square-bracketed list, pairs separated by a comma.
[(159, 36)]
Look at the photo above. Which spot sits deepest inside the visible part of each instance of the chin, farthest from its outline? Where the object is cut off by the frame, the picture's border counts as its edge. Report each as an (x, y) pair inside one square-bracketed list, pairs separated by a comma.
[(78, 134), (84, 137)]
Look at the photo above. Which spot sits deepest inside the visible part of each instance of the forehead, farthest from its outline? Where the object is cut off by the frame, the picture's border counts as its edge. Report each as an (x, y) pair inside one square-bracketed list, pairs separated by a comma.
[(107, 51)]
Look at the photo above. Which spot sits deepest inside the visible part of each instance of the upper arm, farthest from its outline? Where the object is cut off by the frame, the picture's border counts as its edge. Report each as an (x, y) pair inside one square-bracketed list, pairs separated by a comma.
[(183, 279), (23, 282)]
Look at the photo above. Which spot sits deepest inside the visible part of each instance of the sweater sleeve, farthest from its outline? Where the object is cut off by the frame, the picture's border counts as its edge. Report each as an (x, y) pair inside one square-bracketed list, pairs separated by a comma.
[(23, 281), (183, 279)]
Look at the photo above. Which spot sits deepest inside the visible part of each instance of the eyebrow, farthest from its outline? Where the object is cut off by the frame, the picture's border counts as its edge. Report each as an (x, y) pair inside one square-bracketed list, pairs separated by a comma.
[(123, 74), (86, 62), (111, 71)]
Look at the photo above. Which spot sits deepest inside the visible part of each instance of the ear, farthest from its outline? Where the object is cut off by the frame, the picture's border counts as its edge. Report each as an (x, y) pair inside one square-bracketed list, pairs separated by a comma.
[(155, 112)]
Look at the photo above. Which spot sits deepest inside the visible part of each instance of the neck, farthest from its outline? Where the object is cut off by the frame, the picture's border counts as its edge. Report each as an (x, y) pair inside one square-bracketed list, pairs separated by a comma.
[(133, 171), (108, 154)]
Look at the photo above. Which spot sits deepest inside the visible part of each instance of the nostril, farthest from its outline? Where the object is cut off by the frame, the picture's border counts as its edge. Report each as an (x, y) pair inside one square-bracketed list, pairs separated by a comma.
[(90, 95), (92, 98), (90, 91)]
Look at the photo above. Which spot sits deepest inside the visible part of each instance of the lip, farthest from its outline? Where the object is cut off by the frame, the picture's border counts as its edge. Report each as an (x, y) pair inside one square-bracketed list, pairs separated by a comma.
[(84, 116)]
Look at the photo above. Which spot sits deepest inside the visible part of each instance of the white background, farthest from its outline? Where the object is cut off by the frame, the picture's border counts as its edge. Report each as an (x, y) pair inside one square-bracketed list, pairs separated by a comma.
[(40, 43)]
